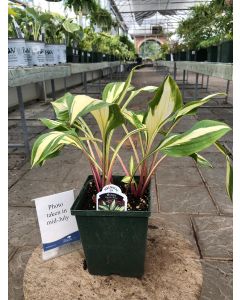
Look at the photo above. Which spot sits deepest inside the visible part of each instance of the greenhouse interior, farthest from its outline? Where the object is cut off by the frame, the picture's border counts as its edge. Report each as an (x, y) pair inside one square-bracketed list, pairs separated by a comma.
[(120, 149)]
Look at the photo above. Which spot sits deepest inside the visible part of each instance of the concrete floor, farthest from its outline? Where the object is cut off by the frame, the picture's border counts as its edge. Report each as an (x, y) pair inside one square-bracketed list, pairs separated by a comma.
[(190, 199)]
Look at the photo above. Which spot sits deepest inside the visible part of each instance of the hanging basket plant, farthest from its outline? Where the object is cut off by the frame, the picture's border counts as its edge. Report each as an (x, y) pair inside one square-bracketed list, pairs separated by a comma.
[(102, 18), (84, 6)]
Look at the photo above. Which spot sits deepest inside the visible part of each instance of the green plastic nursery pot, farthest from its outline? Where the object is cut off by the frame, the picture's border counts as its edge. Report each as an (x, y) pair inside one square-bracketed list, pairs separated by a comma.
[(113, 242)]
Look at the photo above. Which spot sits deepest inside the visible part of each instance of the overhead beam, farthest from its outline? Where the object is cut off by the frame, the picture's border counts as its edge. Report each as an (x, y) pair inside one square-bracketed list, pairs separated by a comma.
[(160, 6)]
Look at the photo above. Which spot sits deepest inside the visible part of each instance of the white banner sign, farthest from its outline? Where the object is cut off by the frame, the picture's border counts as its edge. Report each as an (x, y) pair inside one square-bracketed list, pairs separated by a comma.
[(57, 226)]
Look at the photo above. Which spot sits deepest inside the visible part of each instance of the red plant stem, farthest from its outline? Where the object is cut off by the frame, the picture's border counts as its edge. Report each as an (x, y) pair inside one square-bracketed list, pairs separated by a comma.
[(150, 175), (95, 178), (142, 176), (94, 169)]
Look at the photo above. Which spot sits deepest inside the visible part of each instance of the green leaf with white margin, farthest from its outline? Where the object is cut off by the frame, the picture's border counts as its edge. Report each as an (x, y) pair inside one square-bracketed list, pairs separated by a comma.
[(166, 100), (126, 179), (53, 124), (202, 135), (229, 178), (200, 160), (108, 118), (193, 105), (62, 105), (112, 206), (133, 94), (127, 84), (113, 90), (136, 119), (229, 168), (50, 142), (83, 104)]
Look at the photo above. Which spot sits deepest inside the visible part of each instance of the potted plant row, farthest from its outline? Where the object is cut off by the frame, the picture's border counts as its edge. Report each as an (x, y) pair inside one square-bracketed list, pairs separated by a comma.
[(113, 237), (222, 52), (36, 27)]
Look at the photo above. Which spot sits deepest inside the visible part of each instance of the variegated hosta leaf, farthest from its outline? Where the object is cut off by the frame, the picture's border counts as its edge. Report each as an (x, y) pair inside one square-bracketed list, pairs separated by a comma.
[(229, 178), (108, 118), (62, 105), (51, 142), (113, 206), (126, 87), (53, 124), (113, 90), (166, 100), (200, 160), (133, 94), (135, 119), (83, 104), (127, 179), (193, 105), (202, 135), (229, 168)]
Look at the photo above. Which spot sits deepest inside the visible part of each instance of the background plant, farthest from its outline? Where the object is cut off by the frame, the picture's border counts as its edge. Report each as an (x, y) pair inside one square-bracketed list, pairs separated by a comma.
[(207, 24), (153, 127)]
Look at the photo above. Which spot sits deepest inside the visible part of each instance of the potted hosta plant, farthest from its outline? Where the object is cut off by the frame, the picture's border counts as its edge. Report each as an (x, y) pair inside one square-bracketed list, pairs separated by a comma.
[(113, 238)]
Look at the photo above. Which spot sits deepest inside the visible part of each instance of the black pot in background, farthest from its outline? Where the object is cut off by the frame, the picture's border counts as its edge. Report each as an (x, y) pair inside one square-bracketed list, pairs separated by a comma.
[(201, 54), (72, 55), (191, 55), (226, 52), (97, 57), (100, 56), (81, 55), (182, 55), (168, 57), (175, 56), (212, 54), (104, 57), (89, 56)]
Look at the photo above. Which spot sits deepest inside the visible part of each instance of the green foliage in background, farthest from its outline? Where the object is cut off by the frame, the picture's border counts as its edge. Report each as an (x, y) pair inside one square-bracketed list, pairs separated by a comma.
[(61, 29), (207, 25)]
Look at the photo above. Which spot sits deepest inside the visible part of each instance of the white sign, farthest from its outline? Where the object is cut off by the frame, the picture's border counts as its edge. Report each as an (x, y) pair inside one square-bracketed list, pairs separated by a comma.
[(57, 226), (111, 198)]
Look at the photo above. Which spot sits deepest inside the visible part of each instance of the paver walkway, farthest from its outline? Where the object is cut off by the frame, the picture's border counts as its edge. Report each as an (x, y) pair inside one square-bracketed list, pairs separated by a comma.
[(187, 198)]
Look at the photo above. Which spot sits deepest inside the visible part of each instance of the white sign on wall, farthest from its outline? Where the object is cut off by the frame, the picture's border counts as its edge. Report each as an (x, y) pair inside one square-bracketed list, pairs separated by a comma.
[(57, 226)]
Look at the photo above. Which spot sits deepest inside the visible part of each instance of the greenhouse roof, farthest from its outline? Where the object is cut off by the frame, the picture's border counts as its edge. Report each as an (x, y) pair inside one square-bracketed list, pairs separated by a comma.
[(141, 15)]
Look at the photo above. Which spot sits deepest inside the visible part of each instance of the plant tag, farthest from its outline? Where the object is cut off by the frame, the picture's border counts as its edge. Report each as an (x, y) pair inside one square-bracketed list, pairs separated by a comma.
[(111, 198)]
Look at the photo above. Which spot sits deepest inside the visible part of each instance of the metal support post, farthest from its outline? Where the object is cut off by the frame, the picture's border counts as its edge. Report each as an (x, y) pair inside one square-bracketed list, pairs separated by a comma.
[(227, 90), (183, 85), (196, 87), (65, 84), (207, 83), (85, 82), (187, 77), (111, 73), (23, 121), (175, 71), (53, 89), (202, 80)]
